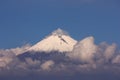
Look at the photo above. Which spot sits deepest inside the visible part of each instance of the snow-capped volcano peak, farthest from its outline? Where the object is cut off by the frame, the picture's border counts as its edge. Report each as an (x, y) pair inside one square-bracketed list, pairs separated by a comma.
[(59, 32), (59, 40)]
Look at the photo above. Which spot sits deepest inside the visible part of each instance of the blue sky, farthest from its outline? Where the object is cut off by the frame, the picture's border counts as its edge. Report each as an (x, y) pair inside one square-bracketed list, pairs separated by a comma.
[(28, 21)]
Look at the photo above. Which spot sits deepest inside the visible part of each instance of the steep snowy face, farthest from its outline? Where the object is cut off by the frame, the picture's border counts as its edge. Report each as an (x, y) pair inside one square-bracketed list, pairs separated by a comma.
[(59, 40)]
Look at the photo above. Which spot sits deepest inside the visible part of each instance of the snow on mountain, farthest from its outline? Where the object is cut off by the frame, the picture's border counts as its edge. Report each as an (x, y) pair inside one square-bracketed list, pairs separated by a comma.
[(59, 40)]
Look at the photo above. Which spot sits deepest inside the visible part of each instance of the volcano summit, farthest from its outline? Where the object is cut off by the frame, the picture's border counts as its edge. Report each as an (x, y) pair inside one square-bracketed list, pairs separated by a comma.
[(52, 47), (59, 40)]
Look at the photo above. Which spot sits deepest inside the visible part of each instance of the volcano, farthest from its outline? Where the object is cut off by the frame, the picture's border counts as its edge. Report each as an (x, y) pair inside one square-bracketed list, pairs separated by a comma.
[(59, 41), (53, 47)]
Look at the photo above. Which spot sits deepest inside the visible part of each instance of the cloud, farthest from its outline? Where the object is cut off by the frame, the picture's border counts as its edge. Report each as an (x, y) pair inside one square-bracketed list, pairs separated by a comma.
[(4, 61), (47, 65), (31, 62), (8, 55), (116, 59), (86, 58), (84, 51), (15, 51), (109, 52)]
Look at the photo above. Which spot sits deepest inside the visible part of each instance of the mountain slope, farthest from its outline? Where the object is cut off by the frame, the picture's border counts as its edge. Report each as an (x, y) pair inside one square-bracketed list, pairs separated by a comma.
[(59, 40)]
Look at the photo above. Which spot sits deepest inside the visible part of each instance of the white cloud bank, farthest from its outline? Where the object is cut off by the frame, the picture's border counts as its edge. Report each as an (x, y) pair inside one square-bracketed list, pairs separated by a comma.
[(84, 51), (86, 57), (8, 55), (15, 51)]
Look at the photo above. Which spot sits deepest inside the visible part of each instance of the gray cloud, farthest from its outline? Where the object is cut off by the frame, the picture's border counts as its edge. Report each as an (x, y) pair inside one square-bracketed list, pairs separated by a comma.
[(116, 59), (109, 52), (86, 58), (84, 51), (8, 55), (47, 65)]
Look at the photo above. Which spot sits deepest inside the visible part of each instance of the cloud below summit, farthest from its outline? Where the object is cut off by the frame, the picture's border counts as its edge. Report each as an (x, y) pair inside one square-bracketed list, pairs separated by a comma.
[(84, 51), (86, 57)]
